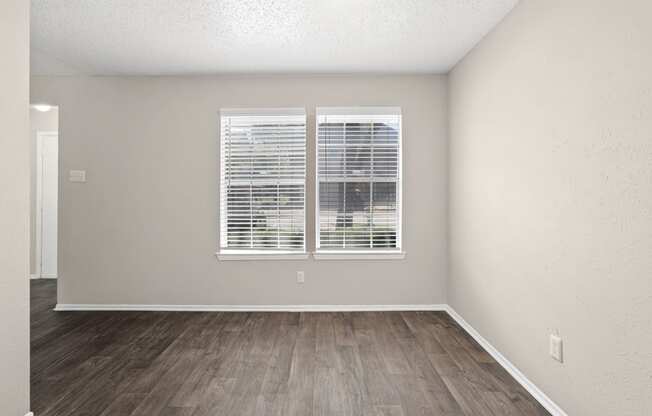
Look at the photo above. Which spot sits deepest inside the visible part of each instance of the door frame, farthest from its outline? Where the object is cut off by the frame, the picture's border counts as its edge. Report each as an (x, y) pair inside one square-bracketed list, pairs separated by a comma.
[(38, 251)]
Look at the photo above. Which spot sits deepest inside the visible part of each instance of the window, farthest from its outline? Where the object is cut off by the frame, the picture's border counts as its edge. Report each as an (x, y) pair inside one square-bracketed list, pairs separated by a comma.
[(262, 181), (359, 179)]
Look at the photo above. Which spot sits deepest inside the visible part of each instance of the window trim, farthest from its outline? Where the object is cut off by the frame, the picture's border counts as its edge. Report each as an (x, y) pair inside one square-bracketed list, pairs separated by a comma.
[(359, 255), (248, 255), (227, 254), (397, 253)]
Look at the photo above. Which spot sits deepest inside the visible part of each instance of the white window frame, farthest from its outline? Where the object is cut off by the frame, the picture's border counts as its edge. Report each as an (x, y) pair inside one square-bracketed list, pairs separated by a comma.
[(226, 254), (360, 254)]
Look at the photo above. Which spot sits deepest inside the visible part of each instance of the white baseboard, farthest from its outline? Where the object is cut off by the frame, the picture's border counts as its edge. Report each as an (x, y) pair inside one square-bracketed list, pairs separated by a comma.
[(43, 276), (528, 385), (248, 308), (30, 414), (49, 276)]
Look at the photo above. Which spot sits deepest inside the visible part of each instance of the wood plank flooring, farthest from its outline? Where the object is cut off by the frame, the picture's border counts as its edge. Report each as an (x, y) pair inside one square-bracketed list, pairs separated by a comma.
[(208, 364)]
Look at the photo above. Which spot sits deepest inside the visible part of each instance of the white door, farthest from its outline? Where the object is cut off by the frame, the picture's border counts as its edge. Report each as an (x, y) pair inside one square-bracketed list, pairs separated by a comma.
[(48, 189)]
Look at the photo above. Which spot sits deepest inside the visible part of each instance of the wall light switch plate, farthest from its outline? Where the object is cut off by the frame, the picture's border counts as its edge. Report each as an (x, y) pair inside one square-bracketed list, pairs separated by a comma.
[(301, 277), (556, 348), (77, 176)]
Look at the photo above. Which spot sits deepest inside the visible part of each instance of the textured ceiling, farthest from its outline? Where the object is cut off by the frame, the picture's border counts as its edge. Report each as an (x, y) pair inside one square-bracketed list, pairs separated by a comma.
[(228, 36)]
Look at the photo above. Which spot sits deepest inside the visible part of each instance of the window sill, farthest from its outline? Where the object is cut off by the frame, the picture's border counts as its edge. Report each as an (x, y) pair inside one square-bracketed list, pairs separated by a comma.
[(347, 255), (248, 256)]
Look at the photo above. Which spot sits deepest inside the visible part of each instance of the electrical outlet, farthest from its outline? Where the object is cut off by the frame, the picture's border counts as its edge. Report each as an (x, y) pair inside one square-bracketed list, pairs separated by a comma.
[(556, 348), (301, 277)]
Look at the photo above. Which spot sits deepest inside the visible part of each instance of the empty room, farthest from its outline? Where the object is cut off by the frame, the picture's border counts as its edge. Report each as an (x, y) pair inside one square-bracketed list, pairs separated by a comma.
[(345, 207)]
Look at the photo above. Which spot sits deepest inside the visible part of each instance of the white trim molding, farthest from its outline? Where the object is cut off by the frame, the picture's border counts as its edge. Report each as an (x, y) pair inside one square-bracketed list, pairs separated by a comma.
[(30, 414), (42, 276), (360, 111), (271, 111), (244, 256), (528, 385), (48, 276), (352, 255), (248, 308)]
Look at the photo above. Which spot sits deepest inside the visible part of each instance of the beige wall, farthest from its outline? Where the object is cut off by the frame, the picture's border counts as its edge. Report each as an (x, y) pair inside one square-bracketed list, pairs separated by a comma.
[(38, 121), (14, 207), (143, 229), (551, 198)]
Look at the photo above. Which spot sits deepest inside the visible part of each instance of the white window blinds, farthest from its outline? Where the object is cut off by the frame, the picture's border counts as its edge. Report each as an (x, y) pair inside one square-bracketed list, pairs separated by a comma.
[(262, 180), (359, 178)]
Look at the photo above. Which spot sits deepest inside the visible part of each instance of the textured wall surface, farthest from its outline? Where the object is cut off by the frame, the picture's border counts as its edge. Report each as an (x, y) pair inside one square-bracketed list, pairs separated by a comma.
[(38, 121), (14, 207), (144, 228), (551, 198)]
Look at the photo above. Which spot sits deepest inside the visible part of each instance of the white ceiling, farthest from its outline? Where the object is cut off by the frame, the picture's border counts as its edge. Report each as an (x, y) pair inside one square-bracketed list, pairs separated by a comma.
[(228, 36)]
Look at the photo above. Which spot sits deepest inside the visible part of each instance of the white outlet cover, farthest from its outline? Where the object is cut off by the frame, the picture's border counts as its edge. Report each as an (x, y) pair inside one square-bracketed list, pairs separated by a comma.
[(556, 348), (300, 277)]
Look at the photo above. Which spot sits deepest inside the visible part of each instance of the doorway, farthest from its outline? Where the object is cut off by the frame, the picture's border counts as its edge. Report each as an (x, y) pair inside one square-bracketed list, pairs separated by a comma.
[(45, 191)]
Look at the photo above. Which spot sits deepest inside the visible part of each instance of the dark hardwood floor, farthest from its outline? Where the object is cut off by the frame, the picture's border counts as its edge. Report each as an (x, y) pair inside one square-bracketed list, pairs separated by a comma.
[(200, 364)]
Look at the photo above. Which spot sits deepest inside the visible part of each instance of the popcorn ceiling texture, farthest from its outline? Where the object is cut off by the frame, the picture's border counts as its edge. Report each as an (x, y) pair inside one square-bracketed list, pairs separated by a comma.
[(217, 36), (551, 198)]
